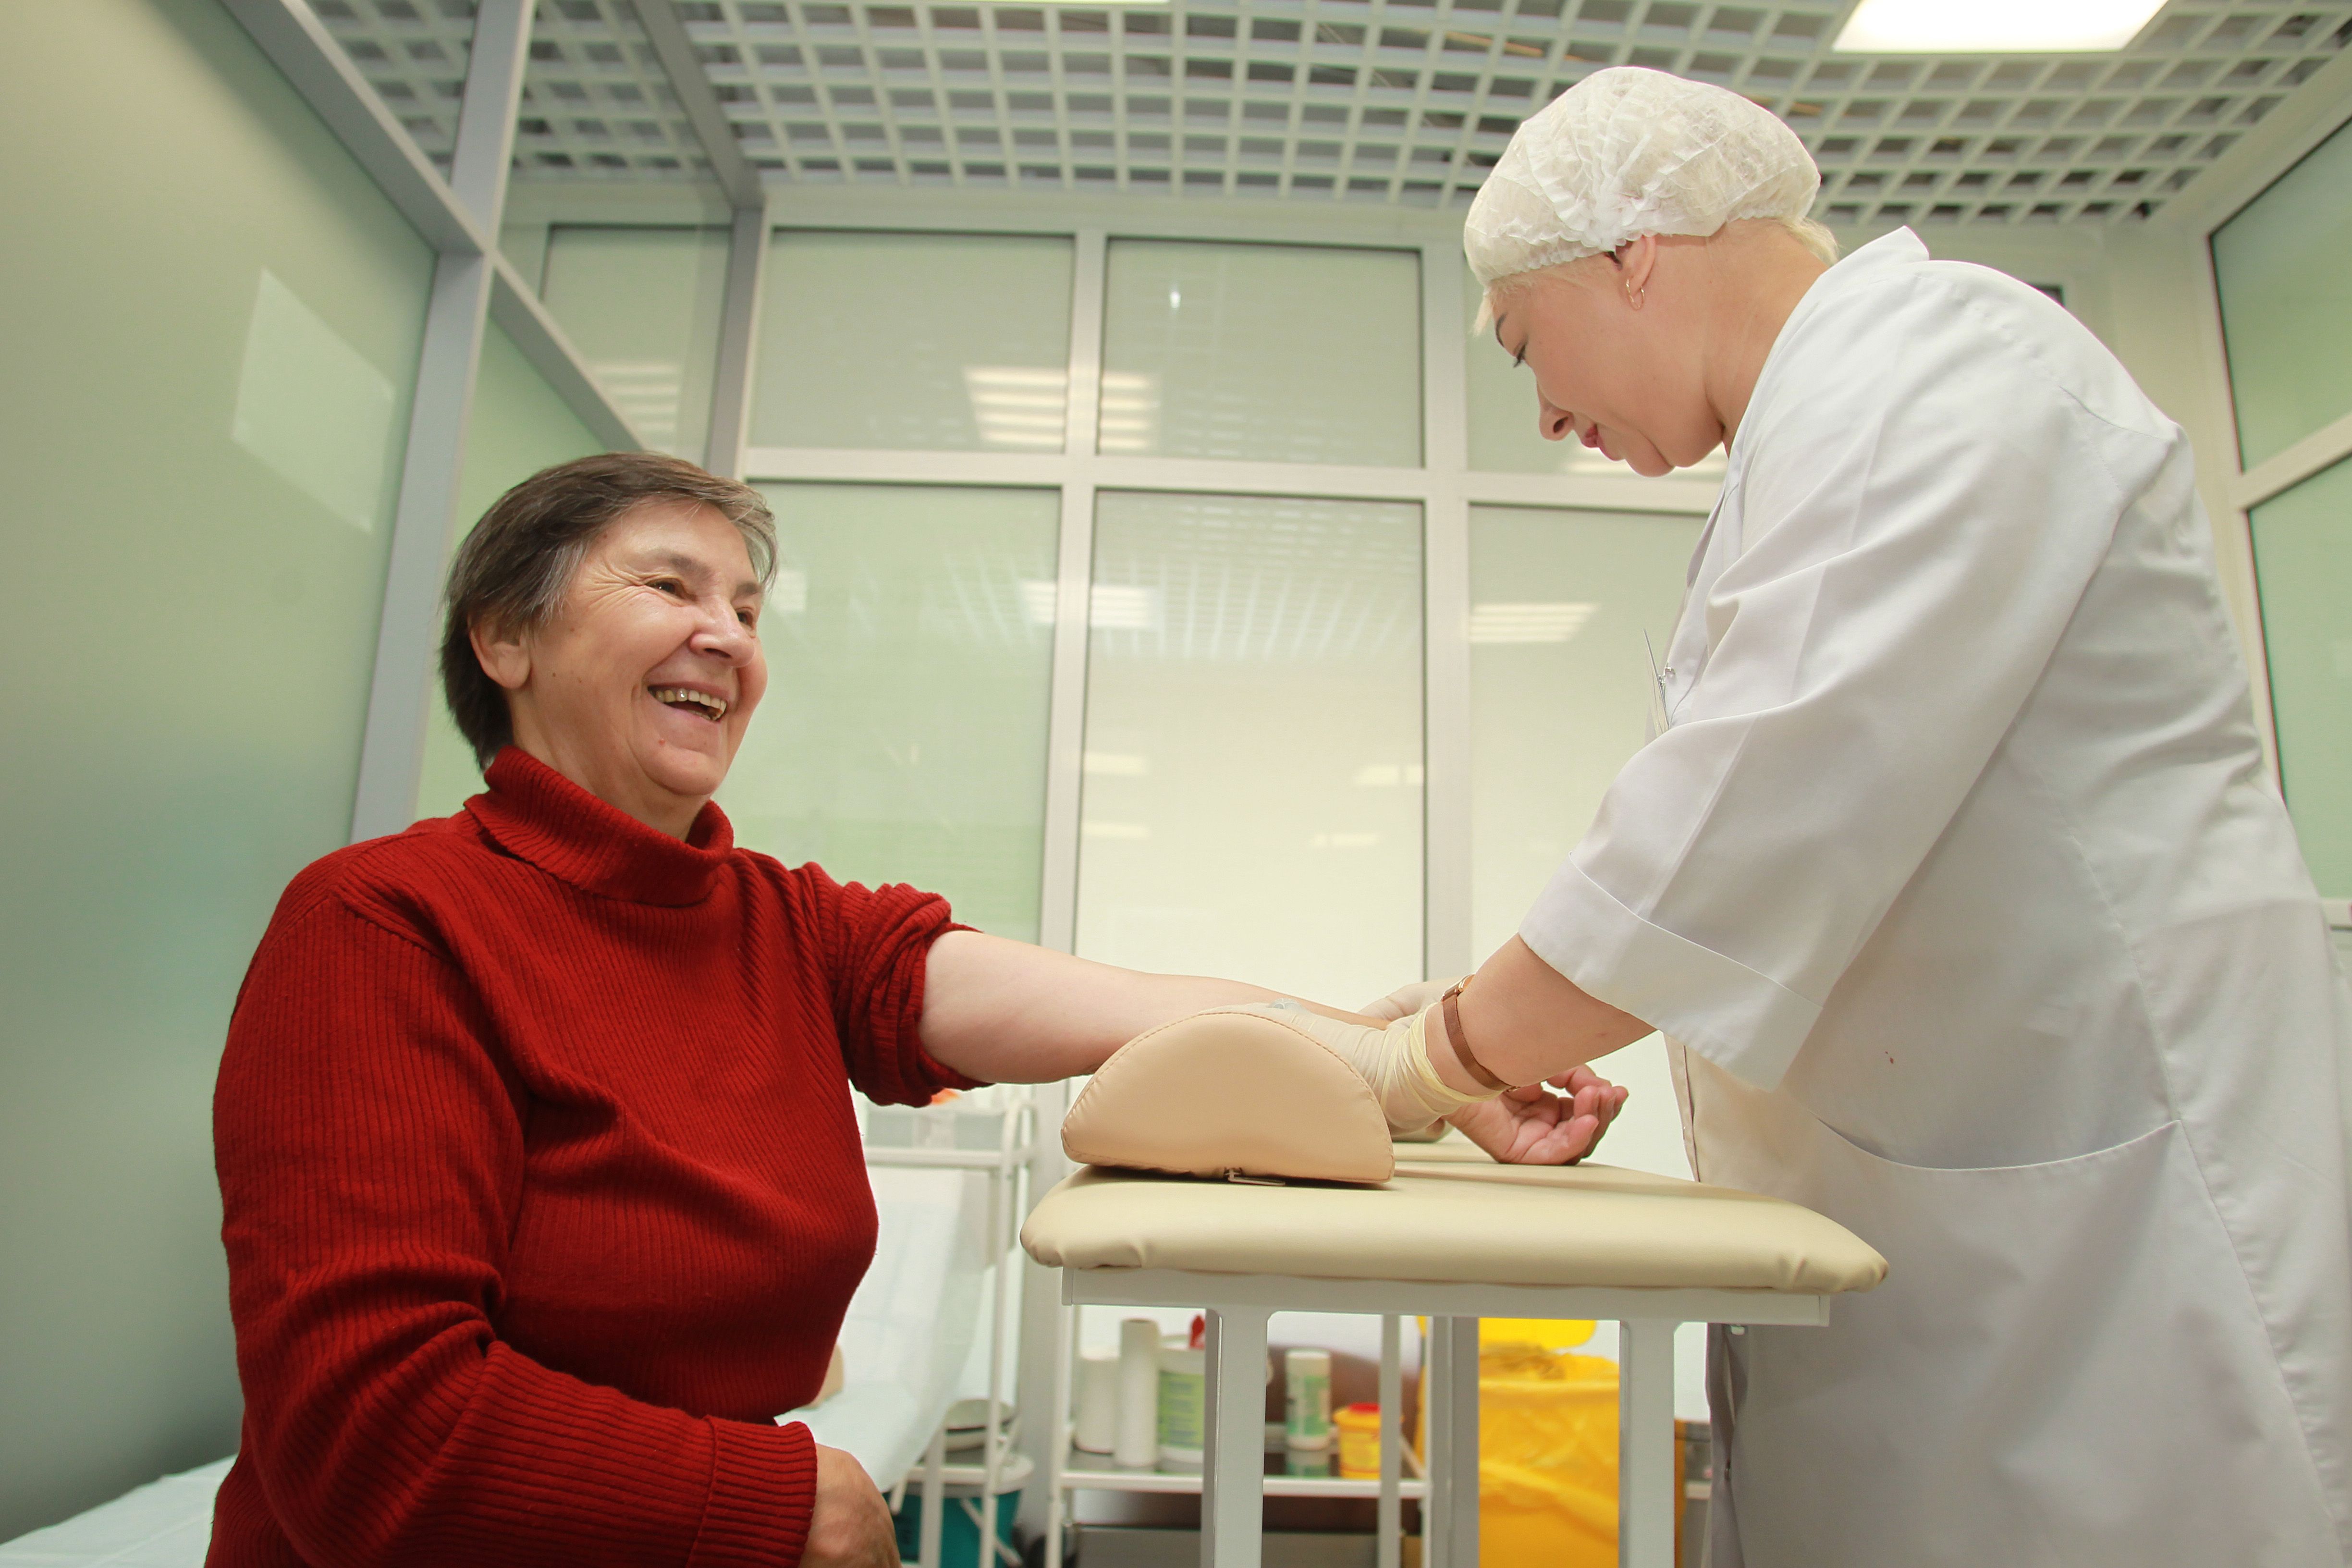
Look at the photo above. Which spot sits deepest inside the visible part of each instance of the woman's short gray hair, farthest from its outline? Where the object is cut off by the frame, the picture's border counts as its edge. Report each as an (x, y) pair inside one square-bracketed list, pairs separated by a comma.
[(514, 568)]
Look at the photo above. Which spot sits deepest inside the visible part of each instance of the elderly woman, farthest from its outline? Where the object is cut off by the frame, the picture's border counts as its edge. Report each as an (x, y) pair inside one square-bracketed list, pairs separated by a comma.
[(542, 1190)]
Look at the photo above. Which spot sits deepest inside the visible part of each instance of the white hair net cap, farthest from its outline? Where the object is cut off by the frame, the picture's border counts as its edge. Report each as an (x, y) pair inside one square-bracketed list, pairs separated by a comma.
[(1626, 153)]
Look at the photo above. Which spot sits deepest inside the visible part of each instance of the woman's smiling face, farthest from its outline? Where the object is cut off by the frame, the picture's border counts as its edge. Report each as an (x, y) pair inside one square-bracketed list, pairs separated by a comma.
[(639, 687)]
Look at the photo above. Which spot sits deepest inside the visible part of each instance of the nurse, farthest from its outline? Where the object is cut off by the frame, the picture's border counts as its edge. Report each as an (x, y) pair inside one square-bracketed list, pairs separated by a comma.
[(1955, 881)]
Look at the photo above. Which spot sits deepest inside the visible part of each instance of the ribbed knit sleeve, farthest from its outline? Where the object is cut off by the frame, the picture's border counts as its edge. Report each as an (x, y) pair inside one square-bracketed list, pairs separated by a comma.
[(876, 941), (370, 1154)]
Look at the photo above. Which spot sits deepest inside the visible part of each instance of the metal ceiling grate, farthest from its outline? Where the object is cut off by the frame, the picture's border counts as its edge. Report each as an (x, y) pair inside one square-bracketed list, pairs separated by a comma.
[(1359, 100)]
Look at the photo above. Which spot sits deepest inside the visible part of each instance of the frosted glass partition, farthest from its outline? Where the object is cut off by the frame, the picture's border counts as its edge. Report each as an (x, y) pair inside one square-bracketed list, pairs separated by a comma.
[(2285, 291), (955, 341), (1252, 802), (1503, 410), (910, 641), (2302, 562), (642, 306), (518, 426), (1560, 693), (1559, 697), (200, 564), (1282, 352)]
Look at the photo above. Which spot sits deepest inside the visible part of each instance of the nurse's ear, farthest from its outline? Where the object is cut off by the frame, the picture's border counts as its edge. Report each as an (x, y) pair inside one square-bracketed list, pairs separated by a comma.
[(1635, 261)]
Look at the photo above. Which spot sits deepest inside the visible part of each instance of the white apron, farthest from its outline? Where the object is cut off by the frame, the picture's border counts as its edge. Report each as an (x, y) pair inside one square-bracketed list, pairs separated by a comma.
[(1958, 885)]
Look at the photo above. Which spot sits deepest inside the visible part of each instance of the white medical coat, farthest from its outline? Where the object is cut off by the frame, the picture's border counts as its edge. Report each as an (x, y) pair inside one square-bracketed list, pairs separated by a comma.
[(1974, 921)]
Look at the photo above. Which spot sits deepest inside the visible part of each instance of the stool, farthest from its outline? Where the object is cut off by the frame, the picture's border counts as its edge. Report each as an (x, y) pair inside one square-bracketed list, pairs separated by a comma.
[(1453, 1239)]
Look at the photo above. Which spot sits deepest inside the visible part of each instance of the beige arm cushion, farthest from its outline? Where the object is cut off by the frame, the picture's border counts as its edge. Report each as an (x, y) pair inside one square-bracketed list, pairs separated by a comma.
[(1222, 1092), (1460, 1223)]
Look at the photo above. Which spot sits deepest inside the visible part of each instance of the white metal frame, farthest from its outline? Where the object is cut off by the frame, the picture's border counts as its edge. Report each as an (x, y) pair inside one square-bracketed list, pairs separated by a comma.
[(2315, 113), (1000, 1468), (1233, 1484)]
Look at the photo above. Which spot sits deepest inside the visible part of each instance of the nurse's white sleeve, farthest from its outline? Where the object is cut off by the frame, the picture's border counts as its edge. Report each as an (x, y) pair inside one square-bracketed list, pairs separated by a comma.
[(1934, 479)]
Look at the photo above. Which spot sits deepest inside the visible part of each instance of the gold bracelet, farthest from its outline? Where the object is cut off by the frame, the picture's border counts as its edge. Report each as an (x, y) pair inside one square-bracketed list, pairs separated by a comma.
[(1451, 1012)]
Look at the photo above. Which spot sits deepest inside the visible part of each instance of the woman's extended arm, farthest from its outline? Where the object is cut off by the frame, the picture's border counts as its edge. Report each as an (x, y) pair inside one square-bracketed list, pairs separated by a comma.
[(1010, 1013), (1007, 1012)]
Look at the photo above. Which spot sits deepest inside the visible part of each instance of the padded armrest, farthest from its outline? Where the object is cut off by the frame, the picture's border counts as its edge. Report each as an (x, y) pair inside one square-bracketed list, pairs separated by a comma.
[(1455, 1222)]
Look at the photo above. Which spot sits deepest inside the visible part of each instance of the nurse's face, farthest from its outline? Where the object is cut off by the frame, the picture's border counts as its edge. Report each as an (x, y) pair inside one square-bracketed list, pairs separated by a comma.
[(1616, 363)]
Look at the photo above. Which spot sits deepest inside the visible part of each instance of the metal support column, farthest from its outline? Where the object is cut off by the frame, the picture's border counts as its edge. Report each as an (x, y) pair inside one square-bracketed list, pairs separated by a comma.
[(1449, 1389), (1390, 1550), (1232, 1494), (738, 332), (1646, 1504), (392, 751)]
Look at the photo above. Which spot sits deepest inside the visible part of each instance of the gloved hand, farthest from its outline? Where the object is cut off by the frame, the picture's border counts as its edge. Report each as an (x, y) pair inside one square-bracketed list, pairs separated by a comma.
[(1393, 1062), (1406, 1000)]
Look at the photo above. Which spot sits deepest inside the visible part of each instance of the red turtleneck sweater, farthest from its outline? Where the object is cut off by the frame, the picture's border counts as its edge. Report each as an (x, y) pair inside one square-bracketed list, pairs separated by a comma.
[(543, 1193)]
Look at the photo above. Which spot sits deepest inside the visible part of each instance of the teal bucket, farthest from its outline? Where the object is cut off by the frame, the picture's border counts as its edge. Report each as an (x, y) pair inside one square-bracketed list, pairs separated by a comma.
[(958, 1535)]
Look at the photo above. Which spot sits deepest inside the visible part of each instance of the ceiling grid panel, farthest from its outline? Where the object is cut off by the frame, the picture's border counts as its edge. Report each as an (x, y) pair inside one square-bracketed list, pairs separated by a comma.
[(1358, 100)]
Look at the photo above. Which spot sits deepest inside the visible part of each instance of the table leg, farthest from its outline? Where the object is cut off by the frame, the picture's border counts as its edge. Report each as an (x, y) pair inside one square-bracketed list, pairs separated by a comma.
[(1233, 1487), (1057, 1440), (927, 1537), (1391, 1396), (1647, 1503), (1450, 1385)]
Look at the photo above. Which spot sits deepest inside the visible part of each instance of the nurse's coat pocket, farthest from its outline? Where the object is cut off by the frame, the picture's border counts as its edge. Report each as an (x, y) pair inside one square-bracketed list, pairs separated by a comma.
[(2064, 1367)]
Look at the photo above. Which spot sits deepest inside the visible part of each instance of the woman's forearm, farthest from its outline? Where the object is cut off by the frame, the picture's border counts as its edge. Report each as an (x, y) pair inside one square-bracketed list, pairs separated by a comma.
[(1008, 1012)]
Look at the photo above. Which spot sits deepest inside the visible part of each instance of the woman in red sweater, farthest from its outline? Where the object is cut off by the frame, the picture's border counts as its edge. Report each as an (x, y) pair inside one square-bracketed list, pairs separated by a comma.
[(543, 1189)]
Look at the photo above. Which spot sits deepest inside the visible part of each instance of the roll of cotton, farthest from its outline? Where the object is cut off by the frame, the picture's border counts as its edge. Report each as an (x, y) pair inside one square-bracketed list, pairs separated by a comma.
[(1136, 1444), (1096, 1428), (1626, 153)]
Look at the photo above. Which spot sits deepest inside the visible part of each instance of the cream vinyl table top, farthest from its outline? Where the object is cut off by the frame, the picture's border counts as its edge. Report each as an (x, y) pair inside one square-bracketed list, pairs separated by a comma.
[(1455, 1218)]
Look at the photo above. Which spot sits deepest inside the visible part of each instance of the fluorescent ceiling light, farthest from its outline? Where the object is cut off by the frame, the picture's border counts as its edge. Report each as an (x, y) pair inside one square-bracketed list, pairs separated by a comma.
[(1992, 26), (1115, 606), (1550, 622)]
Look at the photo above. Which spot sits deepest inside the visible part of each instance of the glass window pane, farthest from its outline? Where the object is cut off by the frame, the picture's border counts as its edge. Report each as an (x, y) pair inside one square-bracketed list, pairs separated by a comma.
[(1559, 697), (909, 640), (1252, 803), (2303, 564), (2286, 302), (954, 342), (1282, 352), (642, 306), (1504, 437), (1560, 694)]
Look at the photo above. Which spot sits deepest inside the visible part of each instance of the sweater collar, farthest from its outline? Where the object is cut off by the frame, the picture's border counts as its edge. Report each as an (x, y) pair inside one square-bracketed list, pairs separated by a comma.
[(537, 815)]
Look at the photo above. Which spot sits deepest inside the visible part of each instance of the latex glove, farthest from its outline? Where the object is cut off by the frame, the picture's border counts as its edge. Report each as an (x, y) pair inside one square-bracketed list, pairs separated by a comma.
[(1531, 1126), (1393, 1062), (1406, 1000), (850, 1526)]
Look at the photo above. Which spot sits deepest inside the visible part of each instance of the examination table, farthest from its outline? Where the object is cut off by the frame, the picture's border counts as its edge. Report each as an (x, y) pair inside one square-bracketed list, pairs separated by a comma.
[(1456, 1237)]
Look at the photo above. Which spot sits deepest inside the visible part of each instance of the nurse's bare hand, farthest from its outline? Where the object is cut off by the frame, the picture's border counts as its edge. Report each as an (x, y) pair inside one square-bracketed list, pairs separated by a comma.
[(1533, 1126), (850, 1527)]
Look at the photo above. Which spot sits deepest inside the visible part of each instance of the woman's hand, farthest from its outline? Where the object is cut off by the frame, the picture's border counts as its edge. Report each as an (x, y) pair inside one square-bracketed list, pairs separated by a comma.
[(1530, 1126), (850, 1526)]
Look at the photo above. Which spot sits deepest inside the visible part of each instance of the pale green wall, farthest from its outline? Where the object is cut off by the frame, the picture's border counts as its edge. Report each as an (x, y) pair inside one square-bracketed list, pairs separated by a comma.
[(188, 637), (518, 426)]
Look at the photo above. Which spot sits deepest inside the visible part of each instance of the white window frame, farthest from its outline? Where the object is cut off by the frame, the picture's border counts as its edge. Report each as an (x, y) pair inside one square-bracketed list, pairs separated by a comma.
[(2233, 183), (1443, 485)]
